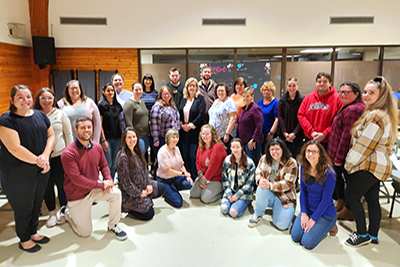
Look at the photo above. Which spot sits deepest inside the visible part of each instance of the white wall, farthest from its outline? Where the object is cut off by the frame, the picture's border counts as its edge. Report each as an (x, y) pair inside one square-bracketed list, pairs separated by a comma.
[(15, 11), (177, 23)]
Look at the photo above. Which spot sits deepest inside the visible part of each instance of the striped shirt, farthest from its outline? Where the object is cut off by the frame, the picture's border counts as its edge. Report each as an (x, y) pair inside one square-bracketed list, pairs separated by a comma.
[(371, 147), (245, 179), (162, 119), (283, 186)]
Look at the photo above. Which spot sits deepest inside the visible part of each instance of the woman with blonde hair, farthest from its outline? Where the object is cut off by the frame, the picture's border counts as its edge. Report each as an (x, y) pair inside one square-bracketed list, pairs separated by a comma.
[(210, 157), (367, 162), (269, 107)]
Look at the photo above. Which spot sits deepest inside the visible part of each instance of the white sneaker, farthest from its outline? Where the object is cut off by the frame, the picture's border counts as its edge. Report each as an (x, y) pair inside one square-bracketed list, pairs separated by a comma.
[(118, 233), (254, 220), (52, 221), (61, 215)]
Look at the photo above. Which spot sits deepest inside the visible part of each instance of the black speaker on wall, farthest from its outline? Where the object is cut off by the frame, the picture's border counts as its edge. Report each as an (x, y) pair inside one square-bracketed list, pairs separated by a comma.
[(44, 52)]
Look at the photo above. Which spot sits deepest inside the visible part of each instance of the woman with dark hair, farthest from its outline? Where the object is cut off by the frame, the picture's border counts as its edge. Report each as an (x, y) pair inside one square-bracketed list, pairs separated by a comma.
[(317, 181), (27, 139), (45, 101), (191, 111), (150, 94), (223, 114), (172, 172), (290, 129), (210, 157), (110, 111), (368, 161), (75, 104), (237, 178), (163, 116), (137, 189), (137, 116), (275, 176), (238, 87), (340, 137)]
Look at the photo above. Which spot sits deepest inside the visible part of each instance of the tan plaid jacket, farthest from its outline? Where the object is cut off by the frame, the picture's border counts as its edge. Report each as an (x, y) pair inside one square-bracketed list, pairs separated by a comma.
[(283, 186), (371, 147)]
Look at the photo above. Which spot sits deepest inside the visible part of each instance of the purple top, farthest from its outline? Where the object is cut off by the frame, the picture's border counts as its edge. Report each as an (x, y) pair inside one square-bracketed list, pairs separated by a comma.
[(250, 123)]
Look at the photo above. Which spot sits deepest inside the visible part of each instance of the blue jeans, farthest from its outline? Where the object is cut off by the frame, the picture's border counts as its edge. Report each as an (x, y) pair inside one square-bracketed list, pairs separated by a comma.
[(312, 238), (172, 187), (189, 155), (144, 144), (238, 207), (281, 217), (111, 154), (254, 154)]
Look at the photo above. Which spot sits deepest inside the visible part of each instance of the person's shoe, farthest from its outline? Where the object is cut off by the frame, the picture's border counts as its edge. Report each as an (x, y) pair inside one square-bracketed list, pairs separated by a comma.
[(374, 240), (253, 221), (33, 249), (118, 233), (44, 240), (334, 230), (340, 204), (61, 215), (356, 240), (52, 221), (345, 214)]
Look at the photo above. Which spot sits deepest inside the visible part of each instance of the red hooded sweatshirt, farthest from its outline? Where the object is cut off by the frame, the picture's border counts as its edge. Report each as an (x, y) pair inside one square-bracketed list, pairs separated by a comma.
[(316, 112)]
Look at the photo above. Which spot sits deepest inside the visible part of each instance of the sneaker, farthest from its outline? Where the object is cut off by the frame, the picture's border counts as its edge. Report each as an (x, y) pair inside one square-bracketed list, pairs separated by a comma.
[(118, 233), (356, 240), (254, 220), (52, 221), (61, 215), (375, 241)]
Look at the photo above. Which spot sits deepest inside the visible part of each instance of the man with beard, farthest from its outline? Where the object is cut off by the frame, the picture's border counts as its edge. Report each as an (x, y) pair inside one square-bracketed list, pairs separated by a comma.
[(82, 161), (175, 85), (207, 88)]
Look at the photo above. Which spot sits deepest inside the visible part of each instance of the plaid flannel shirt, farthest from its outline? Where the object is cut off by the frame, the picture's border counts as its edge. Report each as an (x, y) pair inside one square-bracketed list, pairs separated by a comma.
[(163, 119), (371, 147), (283, 186), (245, 179)]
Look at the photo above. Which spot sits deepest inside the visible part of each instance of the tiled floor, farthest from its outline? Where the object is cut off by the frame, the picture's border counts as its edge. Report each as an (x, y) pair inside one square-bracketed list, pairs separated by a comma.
[(195, 235)]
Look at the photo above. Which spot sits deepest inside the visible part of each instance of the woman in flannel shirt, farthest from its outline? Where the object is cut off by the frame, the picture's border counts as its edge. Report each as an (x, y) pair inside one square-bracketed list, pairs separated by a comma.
[(275, 176), (238, 173), (367, 162), (317, 212)]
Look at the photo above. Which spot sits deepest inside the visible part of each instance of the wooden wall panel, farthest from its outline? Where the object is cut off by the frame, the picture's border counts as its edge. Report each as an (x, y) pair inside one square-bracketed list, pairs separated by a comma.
[(15, 68), (125, 60)]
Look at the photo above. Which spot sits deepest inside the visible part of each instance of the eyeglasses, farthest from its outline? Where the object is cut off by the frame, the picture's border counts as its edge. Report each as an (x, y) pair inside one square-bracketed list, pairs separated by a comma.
[(73, 88), (313, 152), (344, 92), (275, 149), (206, 134), (50, 98), (192, 85), (220, 91), (267, 90)]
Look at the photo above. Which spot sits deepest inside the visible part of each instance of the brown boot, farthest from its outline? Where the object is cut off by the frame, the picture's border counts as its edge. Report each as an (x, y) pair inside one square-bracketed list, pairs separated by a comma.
[(345, 214), (340, 204), (334, 231)]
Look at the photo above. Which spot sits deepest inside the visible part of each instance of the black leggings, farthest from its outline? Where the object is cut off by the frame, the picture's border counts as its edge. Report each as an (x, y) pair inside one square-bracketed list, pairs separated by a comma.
[(57, 178), (363, 183)]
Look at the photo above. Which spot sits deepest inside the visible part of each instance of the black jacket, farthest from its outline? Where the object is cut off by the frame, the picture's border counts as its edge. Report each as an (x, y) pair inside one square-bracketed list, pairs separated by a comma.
[(196, 116)]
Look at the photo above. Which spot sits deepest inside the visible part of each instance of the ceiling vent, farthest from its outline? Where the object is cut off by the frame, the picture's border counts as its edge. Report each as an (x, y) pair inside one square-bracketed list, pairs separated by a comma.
[(352, 20), (224, 22), (82, 21)]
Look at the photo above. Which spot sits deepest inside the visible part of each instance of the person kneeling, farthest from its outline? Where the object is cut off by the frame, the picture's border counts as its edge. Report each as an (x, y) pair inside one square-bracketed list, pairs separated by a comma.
[(82, 161)]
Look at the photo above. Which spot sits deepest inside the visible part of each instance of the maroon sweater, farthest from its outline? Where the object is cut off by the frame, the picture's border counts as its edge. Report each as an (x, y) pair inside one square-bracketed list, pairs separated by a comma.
[(81, 169)]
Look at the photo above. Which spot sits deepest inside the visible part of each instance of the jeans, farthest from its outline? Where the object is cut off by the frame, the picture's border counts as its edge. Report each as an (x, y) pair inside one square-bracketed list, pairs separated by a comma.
[(312, 238), (189, 155), (144, 144), (239, 207), (172, 187), (254, 154), (111, 154), (281, 217), (363, 183)]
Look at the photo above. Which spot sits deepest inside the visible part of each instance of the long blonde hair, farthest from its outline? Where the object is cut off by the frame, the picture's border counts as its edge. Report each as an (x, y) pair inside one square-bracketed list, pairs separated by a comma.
[(385, 102)]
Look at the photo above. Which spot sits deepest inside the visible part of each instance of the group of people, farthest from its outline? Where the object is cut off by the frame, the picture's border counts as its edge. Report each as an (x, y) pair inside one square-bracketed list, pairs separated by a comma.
[(203, 139)]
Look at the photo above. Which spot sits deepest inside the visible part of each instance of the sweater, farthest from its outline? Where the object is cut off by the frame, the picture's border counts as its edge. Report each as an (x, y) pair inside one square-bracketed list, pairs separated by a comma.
[(250, 124), (316, 112), (210, 161), (81, 169), (136, 116), (62, 131)]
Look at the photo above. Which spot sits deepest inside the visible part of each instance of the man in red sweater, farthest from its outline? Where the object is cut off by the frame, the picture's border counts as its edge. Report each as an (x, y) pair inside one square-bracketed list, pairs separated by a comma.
[(81, 161), (317, 110)]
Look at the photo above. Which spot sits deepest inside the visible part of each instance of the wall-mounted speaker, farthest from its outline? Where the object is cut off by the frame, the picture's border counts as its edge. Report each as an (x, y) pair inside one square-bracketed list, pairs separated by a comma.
[(44, 51)]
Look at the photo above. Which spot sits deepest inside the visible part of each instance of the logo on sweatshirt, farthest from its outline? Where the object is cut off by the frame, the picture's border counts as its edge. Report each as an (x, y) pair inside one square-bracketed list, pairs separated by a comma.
[(319, 106)]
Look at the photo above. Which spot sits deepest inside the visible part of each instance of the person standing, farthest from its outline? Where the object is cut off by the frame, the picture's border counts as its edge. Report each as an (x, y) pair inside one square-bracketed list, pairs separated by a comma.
[(27, 139), (175, 85), (207, 88), (122, 95), (269, 107)]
